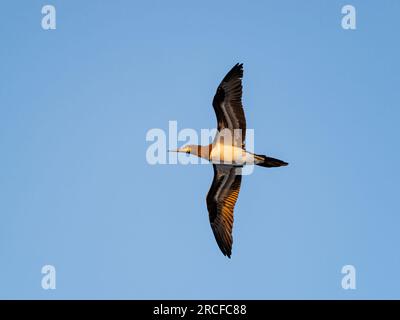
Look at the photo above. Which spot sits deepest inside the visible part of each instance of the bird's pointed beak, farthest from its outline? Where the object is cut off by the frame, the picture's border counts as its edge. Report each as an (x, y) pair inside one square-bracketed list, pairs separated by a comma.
[(184, 150)]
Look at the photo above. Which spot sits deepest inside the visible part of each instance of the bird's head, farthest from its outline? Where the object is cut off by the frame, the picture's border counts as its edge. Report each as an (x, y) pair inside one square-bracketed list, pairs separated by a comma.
[(185, 149)]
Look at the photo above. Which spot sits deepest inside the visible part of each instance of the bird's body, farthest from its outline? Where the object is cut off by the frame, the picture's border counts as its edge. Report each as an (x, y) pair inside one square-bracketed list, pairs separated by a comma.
[(220, 153), (228, 155)]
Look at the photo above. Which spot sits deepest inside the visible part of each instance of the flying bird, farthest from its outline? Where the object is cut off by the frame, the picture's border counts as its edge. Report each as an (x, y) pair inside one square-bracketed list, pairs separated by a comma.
[(228, 155)]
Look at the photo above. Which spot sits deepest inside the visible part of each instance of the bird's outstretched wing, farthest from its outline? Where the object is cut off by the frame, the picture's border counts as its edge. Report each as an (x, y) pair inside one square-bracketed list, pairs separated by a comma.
[(228, 107), (221, 199)]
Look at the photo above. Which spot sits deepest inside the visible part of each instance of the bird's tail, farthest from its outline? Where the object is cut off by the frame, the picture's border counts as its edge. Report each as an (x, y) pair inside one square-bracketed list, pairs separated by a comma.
[(268, 162)]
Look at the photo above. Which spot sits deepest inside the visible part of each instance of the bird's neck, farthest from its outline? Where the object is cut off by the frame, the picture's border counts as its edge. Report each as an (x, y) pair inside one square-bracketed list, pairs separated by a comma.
[(203, 151)]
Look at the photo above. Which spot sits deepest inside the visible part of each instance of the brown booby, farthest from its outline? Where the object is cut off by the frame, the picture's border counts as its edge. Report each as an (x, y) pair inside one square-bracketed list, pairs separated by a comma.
[(228, 155)]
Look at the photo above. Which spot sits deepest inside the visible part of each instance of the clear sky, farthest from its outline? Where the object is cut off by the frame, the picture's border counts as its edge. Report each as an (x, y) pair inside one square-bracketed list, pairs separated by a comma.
[(77, 193)]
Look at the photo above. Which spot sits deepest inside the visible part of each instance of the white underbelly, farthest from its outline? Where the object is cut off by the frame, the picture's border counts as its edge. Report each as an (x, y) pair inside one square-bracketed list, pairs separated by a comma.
[(227, 154)]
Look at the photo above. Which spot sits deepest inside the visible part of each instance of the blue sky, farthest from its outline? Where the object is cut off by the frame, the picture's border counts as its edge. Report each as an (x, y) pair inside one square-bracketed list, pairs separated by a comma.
[(76, 191)]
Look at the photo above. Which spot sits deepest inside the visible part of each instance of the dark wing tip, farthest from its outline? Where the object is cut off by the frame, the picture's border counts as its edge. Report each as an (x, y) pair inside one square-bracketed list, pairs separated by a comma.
[(235, 72), (226, 253), (224, 245), (226, 248)]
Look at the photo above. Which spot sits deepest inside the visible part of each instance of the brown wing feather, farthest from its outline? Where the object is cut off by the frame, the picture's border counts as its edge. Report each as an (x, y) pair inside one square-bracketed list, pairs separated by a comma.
[(228, 106), (221, 200)]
